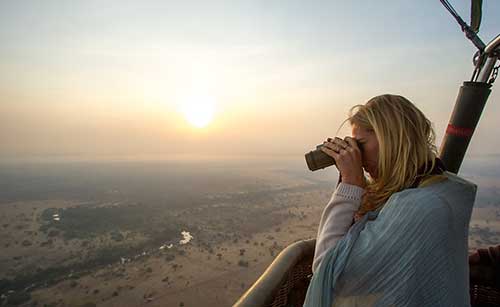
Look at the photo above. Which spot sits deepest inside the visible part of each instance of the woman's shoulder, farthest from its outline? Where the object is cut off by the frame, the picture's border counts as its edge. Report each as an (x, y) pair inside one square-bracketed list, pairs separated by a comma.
[(445, 183), (453, 187), (460, 181), (453, 190)]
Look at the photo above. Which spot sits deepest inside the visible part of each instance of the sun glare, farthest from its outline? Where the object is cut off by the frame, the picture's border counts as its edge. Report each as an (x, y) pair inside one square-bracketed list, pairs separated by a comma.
[(199, 110)]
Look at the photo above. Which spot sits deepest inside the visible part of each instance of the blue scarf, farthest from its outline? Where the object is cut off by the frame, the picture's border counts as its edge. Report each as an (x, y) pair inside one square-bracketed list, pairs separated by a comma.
[(411, 252)]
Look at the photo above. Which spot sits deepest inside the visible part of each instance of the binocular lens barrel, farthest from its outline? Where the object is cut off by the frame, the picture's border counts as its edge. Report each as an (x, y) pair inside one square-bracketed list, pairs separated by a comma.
[(317, 159)]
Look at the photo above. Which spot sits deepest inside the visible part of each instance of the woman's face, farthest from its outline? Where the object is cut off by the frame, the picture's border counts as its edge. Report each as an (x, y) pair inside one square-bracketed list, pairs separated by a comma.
[(368, 144)]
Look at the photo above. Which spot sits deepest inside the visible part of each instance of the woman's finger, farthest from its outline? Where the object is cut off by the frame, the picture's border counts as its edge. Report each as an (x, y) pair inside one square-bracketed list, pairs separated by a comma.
[(342, 153), (330, 152), (331, 146), (343, 144)]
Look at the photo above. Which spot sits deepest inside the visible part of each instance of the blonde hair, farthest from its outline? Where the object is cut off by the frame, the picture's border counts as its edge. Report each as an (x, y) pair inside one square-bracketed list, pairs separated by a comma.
[(406, 145)]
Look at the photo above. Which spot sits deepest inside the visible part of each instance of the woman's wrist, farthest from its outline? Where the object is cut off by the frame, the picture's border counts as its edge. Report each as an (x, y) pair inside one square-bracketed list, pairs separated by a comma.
[(360, 181), (349, 191)]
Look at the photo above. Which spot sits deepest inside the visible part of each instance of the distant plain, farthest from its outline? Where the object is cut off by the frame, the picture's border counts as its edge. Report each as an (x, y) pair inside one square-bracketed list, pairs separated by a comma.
[(85, 233)]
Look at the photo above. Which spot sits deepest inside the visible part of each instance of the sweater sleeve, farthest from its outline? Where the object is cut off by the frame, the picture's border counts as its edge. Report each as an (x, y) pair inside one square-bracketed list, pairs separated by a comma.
[(336, 219)]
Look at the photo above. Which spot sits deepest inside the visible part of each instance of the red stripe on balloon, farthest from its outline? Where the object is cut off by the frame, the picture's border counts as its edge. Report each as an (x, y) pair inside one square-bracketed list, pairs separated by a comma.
[(459, 131)]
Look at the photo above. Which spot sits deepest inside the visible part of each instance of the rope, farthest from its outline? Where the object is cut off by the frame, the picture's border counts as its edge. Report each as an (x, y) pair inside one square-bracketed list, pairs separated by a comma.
[(469, 33)]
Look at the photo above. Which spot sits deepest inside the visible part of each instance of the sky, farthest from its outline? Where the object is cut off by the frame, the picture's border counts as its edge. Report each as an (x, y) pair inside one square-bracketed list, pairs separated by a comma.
[(113, 78)]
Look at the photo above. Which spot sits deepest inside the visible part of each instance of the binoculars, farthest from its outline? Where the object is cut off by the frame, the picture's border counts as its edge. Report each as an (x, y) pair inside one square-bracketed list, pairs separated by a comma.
[(316, 159)]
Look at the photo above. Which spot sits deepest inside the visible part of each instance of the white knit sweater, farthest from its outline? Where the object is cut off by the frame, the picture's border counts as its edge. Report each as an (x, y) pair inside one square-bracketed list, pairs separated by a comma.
[(336, 219)]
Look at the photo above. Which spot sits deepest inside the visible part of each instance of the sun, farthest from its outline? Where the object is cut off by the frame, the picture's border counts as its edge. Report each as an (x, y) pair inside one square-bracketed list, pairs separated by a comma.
[(199, 110)]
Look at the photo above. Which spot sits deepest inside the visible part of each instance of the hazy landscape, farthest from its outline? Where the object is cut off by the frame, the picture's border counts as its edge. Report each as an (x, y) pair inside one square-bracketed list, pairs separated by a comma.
[(171, 232), (152, 151)]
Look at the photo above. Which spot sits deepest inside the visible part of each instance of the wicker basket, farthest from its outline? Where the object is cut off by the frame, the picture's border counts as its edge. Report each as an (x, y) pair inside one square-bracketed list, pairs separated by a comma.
[(286, 280)]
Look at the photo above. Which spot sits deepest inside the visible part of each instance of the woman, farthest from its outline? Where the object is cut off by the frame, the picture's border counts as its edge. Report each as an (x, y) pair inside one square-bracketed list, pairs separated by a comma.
[(398, 237)]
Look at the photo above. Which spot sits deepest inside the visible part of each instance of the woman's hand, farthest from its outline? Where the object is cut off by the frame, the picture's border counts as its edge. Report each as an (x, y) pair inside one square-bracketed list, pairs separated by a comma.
[(347, 157)]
